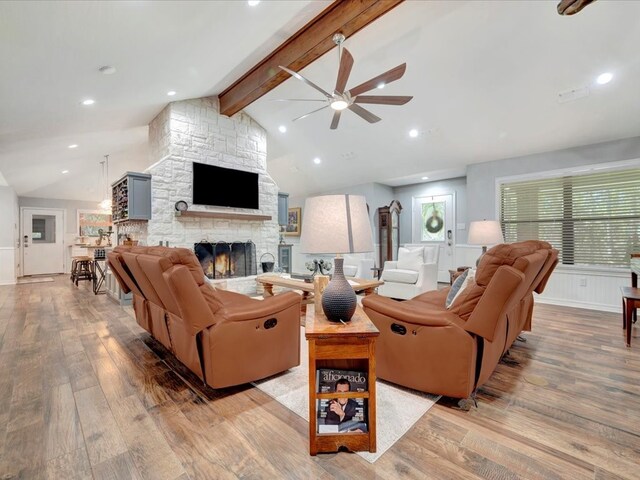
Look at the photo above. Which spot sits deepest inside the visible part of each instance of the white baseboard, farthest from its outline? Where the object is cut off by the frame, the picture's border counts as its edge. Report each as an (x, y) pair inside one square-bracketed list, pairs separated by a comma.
[(586, 305)]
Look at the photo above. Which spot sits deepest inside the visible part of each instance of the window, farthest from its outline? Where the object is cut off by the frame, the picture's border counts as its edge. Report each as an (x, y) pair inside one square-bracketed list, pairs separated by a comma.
[(43, 228), (592, 219)]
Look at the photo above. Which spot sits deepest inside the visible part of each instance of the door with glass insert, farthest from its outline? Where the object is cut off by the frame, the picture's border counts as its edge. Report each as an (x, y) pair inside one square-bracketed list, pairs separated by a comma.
[(42, 241)]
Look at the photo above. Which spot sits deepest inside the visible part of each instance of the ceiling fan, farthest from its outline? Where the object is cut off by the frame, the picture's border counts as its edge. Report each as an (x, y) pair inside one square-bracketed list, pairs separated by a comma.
[(351, 99)]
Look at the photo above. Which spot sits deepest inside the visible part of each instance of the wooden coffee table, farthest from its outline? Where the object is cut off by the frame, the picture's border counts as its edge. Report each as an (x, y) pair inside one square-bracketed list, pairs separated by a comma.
[(312, 290)]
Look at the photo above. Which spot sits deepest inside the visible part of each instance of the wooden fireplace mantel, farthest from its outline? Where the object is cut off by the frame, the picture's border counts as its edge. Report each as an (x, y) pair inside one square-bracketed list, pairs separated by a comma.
[(224, 215)]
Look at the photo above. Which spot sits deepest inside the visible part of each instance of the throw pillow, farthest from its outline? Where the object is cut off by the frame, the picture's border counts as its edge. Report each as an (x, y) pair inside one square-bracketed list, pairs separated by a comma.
[(468, 280), (455, 288), (410, 259)]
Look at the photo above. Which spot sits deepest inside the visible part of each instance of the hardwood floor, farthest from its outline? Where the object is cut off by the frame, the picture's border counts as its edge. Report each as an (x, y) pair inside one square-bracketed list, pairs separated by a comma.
[(86, 393)]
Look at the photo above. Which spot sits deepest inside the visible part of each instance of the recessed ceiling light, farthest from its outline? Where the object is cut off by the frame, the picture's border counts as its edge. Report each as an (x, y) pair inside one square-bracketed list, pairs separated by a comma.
[(282, 129), (171, 93), (73, 146), (604, 78), (88, 101), (64, 172), (381, 85), (425, 178), (253, 3), (107, 70), (317, 161), (413, 133)]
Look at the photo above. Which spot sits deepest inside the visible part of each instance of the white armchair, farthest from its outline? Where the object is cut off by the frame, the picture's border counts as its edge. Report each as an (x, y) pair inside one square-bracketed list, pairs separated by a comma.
[(415, 271), (358, 266)]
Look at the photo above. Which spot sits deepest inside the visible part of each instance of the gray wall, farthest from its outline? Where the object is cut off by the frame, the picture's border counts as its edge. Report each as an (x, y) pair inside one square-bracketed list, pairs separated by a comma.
[(481, 177), (376, 194), (405, 194), (70, 207), (8, 217)]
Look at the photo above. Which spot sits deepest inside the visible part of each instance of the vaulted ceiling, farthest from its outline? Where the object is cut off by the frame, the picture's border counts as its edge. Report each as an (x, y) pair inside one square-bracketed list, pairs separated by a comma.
[(485, 77), (50, 53)]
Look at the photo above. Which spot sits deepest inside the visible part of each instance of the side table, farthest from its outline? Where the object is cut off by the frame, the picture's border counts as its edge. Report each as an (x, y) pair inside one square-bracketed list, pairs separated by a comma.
[(348, 346)]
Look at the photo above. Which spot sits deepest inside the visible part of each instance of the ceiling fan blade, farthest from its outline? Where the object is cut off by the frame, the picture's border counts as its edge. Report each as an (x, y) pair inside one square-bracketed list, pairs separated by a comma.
[(386, 77), (346, 62), (336, 119), (364, 113), (307, 114), (308, 82), (296, 100), (383, 99)]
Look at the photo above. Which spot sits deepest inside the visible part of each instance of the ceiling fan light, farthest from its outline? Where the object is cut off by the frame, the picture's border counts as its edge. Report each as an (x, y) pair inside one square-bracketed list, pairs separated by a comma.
[(339, 104)]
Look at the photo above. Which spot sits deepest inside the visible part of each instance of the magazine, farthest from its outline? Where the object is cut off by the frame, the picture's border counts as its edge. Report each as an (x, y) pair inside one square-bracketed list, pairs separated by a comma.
[(339, 415)]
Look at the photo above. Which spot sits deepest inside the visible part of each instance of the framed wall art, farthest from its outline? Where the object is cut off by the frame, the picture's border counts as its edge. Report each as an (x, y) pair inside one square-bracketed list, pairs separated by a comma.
[(294, 222)]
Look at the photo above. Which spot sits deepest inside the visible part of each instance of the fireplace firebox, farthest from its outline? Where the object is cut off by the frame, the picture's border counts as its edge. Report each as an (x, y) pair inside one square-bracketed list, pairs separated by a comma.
[(227, 260)]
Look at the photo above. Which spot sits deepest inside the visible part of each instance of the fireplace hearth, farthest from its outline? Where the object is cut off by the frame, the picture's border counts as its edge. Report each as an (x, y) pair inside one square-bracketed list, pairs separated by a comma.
[(227, 260)]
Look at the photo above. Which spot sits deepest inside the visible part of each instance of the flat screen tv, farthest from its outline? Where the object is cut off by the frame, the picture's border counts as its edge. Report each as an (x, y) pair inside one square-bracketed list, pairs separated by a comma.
[(224, 187)]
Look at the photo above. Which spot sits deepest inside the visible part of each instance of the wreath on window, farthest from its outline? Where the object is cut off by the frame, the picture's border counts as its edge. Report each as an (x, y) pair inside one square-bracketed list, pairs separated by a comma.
[(434, 223)]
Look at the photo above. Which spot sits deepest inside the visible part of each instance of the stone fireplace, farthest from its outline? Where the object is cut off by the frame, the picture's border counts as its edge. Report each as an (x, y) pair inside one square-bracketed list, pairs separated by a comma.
[(193, 131)]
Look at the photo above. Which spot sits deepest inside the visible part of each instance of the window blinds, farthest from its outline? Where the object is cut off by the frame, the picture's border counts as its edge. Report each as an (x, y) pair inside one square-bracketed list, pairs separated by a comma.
[(592, 219)]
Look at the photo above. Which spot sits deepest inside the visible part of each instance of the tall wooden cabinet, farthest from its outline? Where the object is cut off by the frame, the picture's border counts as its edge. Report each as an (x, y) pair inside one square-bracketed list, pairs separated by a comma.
[(389, 232)]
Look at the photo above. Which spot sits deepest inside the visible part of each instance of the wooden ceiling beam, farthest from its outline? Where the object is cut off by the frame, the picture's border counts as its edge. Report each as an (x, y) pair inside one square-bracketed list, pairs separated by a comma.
[(306, 45)]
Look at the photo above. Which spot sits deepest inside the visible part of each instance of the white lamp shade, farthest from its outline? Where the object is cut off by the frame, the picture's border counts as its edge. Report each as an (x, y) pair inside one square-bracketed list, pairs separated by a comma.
[(336, 224), (485, 232)]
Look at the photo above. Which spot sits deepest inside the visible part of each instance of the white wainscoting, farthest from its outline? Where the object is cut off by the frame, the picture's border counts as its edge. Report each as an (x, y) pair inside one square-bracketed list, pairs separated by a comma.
[(7, 265), (595, 289), (582, 287)]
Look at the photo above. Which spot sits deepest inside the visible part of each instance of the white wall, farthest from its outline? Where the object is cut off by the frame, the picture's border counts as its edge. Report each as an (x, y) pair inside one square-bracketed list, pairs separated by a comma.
[(8, 235)]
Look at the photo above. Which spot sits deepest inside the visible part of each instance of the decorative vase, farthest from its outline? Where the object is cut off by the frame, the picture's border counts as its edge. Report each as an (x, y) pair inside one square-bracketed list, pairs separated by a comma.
[(338, 299)]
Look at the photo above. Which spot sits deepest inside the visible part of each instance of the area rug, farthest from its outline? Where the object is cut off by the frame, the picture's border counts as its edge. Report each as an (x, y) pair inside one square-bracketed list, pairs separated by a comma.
[(398, 408), (34, 280)]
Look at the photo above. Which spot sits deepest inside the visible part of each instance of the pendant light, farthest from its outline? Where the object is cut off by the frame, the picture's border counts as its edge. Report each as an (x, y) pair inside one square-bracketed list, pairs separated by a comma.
[(106, 203)]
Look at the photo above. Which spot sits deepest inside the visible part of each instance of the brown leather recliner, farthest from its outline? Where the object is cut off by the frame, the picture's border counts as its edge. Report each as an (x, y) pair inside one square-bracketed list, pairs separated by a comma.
[(155, 305), (425, 346), (127, 283), (226, 338), (243, 339)]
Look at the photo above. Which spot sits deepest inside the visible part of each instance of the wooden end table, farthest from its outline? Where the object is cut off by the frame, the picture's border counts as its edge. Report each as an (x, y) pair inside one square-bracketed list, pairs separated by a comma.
[(349, 346)]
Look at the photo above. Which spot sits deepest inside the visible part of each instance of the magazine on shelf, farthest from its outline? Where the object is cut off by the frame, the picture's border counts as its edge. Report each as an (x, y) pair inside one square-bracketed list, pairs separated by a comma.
[(340, 415)]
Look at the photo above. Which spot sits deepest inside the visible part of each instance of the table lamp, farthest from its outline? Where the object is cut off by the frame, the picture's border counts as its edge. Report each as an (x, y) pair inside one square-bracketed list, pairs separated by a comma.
[(485, 232), (336, 224)]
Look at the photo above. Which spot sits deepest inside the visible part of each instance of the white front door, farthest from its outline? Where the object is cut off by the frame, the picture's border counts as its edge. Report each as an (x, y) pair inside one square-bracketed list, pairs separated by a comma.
[(433, 223), (42, 241)]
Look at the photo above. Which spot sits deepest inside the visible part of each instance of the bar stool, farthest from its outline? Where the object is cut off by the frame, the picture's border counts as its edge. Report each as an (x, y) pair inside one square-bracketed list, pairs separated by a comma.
[(630, 302), (81, 268)]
